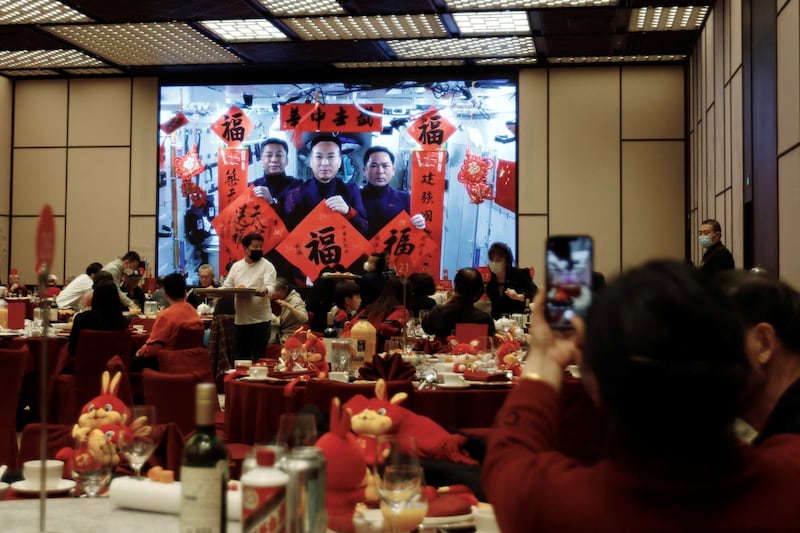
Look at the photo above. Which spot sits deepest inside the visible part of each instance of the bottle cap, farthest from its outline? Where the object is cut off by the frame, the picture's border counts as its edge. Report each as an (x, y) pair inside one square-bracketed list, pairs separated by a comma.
[(265, 457)]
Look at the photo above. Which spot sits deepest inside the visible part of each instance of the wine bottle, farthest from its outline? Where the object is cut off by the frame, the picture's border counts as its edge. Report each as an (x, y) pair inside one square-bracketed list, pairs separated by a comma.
[(204, 470)]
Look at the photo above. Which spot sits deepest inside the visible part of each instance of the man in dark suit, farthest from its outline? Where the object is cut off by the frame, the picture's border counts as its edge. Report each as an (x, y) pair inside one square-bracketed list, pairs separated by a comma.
[(382, 201), (345, 198), (716, 258)]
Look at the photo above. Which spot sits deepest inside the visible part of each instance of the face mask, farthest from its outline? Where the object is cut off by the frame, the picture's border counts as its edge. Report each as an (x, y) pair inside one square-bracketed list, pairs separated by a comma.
[(497, 266), (368, 266), (705, 241), (127, 271), (255, 255)]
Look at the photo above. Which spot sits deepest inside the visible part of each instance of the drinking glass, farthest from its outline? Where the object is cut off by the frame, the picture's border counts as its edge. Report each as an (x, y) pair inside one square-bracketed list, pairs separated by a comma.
[(90, 474), (399, 479), (342, 350), (138, 450), (486, 353), (394, 344), (296, 429)]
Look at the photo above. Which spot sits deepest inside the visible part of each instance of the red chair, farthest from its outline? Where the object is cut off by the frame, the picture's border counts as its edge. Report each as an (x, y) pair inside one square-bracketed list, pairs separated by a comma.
[(190, 335), (13, 362), (92, 354), (58, 436), (187, 361), (114, 366), (174, 397)]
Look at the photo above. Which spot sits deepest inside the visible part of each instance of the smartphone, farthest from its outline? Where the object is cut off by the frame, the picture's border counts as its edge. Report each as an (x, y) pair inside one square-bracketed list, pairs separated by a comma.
[(570, 260)]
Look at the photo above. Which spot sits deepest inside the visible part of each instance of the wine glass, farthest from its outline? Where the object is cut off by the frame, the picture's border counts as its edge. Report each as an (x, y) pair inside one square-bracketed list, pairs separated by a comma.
[(140, 445), (90, 473), (295, 430), (486, 353), (399, 480)]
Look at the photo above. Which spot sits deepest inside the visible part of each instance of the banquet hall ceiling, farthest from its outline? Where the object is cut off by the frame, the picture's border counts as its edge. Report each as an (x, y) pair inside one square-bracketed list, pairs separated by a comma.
[(281, 38)]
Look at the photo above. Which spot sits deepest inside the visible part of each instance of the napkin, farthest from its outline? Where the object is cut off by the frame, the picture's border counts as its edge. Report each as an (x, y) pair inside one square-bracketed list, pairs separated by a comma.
[(390, 368), (454, 500), (146, 495), (291, 374), (480, 375)]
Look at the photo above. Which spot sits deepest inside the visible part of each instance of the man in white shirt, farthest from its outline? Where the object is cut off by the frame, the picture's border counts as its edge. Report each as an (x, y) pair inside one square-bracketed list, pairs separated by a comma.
[(253, 312), (72, 295)]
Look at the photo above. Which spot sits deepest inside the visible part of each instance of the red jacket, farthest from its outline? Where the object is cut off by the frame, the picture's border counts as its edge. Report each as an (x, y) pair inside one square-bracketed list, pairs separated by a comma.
[(534, 488)]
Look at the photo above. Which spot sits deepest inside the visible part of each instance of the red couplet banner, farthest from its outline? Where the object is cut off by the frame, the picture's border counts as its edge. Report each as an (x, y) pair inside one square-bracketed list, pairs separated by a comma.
[(331, 117), (232, 164), (427, 195)]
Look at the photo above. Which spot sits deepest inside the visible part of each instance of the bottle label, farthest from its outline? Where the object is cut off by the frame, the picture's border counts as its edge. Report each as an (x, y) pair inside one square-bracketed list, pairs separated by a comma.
[(263, 509), (202, 491)]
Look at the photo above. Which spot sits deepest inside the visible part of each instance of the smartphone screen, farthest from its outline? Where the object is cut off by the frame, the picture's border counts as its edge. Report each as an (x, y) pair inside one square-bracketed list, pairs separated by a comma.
[(569, 278)]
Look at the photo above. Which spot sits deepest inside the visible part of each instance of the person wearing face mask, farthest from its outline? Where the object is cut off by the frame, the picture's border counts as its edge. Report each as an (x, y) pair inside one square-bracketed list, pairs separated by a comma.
[(125, 265), (253, 320), (508, 287), (716, 257)]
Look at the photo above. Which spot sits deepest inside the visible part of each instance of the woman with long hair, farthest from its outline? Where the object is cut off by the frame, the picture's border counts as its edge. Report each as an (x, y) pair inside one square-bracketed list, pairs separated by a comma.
[(389, 312)]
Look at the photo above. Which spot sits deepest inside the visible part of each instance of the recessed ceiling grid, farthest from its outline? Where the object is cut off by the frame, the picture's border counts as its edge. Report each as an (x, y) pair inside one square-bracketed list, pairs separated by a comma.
[(145, 44), (28, 59), (468, 47), (38, 12), (370, 27)]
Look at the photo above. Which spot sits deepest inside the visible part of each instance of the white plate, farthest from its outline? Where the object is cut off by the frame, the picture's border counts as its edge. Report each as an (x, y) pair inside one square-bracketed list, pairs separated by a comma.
[(452, 385), (26, 487), (7, 333), (262, 380), (439, 520)]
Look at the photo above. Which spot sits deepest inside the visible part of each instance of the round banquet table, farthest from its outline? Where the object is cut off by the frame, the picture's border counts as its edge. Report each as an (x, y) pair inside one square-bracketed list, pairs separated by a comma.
[(253, 408)]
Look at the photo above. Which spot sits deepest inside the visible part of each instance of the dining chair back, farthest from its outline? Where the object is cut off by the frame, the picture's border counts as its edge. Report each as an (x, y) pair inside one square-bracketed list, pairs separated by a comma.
[(187, 361), (190, 335), (467, 332), (13, 362), (57, 436), (92, 354), (173, 395)]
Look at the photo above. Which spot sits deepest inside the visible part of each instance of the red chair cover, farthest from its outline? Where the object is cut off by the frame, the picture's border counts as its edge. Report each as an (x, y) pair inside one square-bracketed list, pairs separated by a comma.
[(58, 436), (173, 395), (468, 332), (187, 361), (190, 335), (94, 350), (13, 362)]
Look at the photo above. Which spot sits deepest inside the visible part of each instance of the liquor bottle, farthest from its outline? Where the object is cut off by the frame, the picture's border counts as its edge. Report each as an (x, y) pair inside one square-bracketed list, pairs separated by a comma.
[(204, 470), (264, 495), (364, 334), (328, 334)]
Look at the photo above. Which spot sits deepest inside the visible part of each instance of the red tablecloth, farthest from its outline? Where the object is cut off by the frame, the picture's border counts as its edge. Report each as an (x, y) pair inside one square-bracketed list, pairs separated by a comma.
[(252, 410)]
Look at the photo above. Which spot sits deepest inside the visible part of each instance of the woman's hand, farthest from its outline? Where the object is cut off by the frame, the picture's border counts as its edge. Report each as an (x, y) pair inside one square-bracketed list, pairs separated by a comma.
[(549, 352)]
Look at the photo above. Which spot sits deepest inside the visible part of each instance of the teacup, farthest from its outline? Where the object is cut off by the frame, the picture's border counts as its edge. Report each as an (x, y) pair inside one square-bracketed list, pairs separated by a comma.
[(444, 367), (139, 328), (54, 470), (485, 522), (452, 379), (242, 365), (258, 372), (339, 376)]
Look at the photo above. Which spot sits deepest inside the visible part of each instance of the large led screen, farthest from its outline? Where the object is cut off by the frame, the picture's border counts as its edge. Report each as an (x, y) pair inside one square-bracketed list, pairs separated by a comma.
[(450, 192)]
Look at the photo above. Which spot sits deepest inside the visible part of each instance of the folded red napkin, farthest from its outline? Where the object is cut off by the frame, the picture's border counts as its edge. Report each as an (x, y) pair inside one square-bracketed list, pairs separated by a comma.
[(479, 375), (450, 501), (390, 368)]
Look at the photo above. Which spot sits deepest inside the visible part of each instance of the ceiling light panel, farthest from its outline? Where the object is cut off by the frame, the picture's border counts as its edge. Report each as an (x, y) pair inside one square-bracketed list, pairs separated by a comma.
[(617, 59), (38, 12), (468, 47), (388, 64), (251, 30), (46, 59), (461, 5), (672, 18), (168, 43), (93, 71), (293, 8), (367, 27), (28, 72), (506, 61), (492, 22)]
